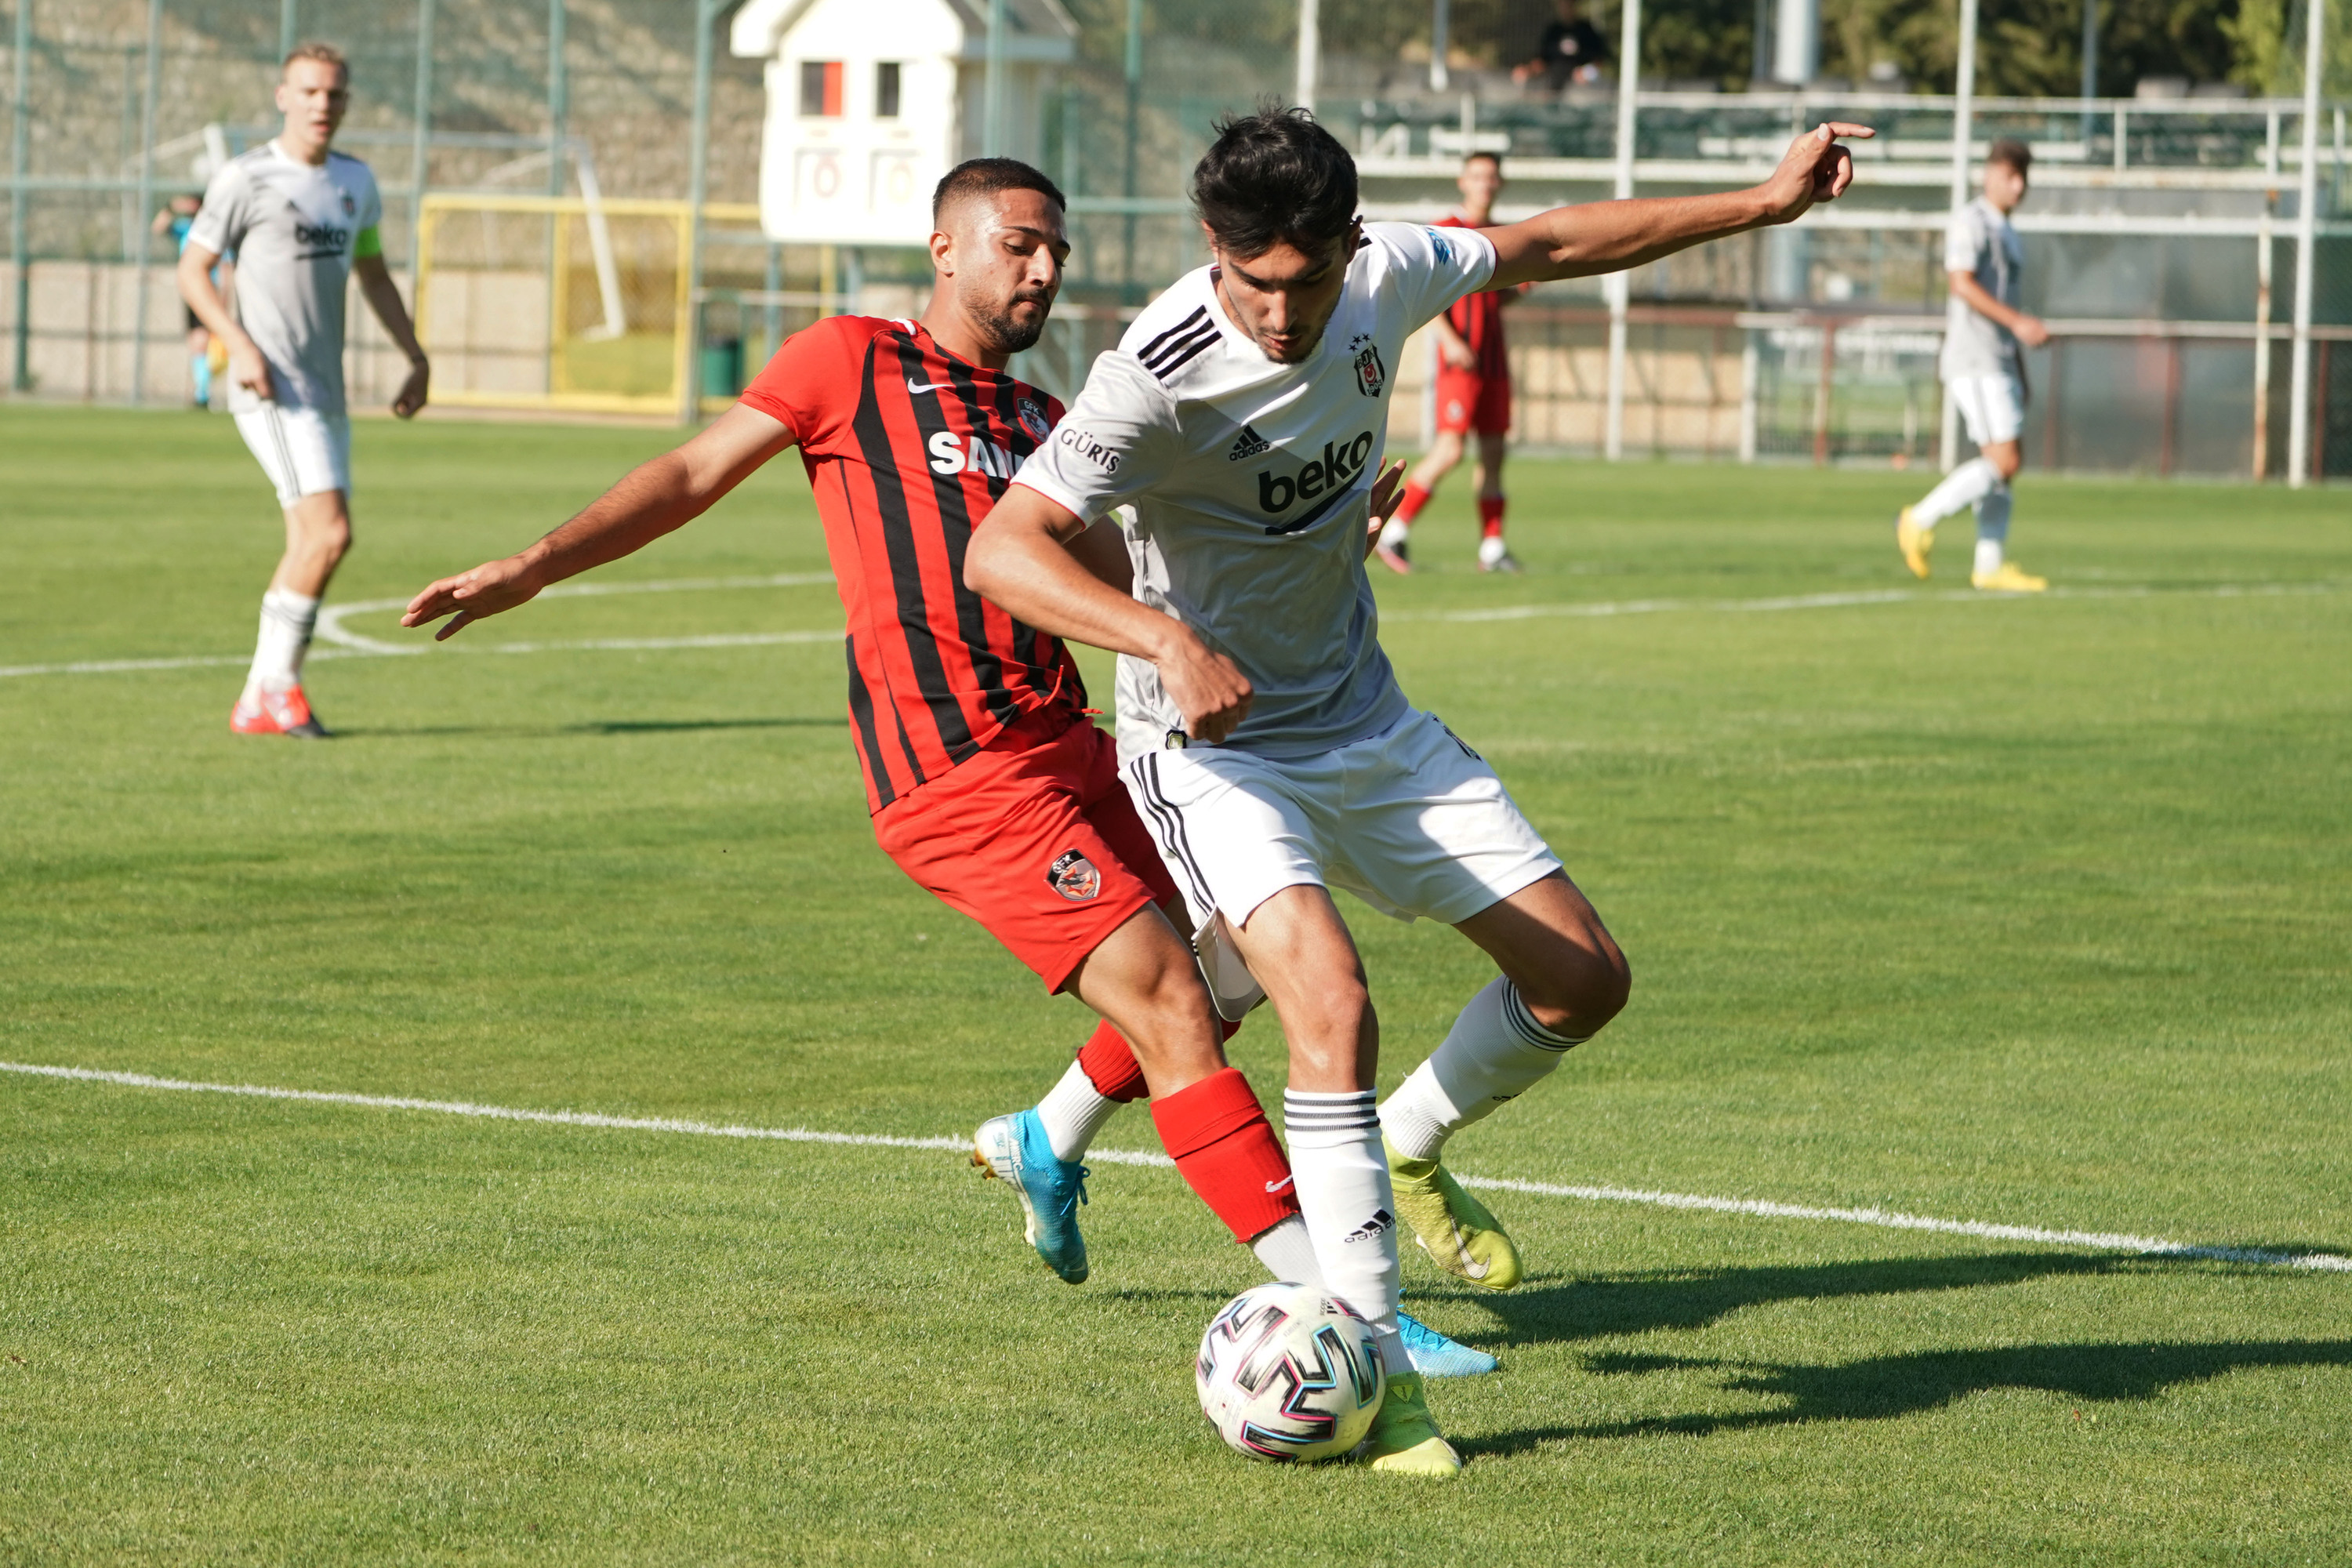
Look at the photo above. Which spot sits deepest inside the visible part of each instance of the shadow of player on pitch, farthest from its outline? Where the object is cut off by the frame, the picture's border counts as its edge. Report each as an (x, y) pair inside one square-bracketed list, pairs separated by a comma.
[(1878, 1387), (1604, 1306)]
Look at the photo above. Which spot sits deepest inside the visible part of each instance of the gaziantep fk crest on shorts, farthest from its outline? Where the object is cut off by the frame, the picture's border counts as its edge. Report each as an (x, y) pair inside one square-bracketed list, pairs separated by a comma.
[(1074, 877)]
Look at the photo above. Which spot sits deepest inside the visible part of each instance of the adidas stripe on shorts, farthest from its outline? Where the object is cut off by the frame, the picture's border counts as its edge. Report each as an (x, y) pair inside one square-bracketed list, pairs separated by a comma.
[(302, 450), (1410, 820)]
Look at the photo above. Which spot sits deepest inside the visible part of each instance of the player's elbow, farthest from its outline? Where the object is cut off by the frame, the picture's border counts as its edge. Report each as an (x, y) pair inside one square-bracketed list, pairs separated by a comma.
[(983, 564)]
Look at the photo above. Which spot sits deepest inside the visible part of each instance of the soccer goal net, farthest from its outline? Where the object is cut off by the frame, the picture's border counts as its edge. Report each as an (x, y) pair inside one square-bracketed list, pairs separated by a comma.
[(558, 302)]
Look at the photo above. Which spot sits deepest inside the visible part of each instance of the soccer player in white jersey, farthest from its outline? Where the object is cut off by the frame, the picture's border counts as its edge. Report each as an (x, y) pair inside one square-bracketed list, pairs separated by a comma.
[(301, 220), (1984, 372), (1260, 728)]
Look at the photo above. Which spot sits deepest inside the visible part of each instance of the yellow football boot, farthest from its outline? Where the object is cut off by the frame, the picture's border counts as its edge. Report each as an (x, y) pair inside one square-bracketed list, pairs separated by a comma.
[(1915, 541), (1404, 1440), (1451, 1225), (2008, 579)]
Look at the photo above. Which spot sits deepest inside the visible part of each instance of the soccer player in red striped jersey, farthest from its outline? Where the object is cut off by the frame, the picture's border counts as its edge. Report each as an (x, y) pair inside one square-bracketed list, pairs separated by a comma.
[(1473, 393), (989, 784)]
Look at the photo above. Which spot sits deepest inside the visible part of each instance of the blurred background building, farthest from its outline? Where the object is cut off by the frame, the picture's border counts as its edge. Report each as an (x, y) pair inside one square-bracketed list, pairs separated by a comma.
[(578, 185)]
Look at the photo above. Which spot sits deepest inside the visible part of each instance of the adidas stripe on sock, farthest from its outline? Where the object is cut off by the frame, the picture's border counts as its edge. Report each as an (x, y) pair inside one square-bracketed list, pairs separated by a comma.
[(1495, 1052), (1350, 1213)]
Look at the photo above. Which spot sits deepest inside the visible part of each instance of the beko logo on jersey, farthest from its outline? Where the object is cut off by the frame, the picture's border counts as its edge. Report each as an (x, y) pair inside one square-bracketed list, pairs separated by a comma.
[(1092, 450), (321, 234), (1325, 476)]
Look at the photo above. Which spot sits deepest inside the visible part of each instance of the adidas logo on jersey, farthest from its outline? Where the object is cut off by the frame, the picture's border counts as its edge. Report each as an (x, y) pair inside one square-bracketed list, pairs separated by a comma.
[(1326, 475), (1250, 445), (1372, 1228)]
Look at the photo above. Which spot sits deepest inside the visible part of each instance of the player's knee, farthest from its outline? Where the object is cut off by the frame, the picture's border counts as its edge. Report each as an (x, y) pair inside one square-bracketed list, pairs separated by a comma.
[(330, 538), (1584, 987), (1332, 1032)]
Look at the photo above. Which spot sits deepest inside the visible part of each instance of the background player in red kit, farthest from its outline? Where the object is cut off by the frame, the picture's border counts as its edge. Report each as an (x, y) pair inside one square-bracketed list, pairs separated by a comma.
[(1473, 392), (988, 784)]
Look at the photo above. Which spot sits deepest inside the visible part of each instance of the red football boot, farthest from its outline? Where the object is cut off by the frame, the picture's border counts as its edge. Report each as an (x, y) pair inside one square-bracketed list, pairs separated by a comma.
[(286, 712)]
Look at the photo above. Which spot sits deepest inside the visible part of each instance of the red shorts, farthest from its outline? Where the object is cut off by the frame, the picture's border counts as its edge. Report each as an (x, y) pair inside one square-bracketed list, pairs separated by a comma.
[(1467, 401), (1034, 837)]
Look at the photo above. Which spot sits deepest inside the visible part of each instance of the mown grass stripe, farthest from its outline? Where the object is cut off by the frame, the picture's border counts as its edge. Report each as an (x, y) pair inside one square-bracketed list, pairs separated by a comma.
[(2090, 1241)]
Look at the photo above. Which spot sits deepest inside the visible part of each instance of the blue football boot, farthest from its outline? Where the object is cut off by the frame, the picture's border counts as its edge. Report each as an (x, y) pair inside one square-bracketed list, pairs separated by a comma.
[(1015, 1148), (1434, 1355)]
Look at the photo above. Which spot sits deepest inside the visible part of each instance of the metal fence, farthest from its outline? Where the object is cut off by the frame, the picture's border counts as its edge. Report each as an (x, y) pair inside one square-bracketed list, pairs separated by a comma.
[(2166, 238)]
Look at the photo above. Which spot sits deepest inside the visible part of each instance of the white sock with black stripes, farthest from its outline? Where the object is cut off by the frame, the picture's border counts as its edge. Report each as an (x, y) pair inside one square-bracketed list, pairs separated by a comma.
[(1351, 1214), (1495, 1052), (287, 621)]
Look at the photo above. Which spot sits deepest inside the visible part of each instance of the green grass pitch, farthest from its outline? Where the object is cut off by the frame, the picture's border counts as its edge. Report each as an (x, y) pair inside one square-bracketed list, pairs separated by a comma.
[(2024, 912)]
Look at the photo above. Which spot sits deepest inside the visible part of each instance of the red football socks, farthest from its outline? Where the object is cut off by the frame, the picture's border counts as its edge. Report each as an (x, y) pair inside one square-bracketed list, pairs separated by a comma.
[(1415, 498), (1490, 517), (1223, 1146), (1111, 1066)]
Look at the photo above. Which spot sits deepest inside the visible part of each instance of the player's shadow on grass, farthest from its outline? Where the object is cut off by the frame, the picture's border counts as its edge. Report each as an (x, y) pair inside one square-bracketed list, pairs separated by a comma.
[(1607, 1305), (594, 727), (1879, 1388)]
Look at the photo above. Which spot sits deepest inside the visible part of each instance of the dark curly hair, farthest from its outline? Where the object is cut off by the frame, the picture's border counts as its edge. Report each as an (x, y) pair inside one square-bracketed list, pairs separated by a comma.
[(1273, 177)]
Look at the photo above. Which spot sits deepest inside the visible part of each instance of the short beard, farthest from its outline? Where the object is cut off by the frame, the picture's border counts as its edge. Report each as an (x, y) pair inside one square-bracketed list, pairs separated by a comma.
[(1003, 333), (1007, 336)]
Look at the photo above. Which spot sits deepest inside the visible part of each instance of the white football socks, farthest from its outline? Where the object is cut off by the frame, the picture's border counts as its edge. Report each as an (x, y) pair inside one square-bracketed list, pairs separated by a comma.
[(287, 622), (1074, 1110), (1350, 1213), (1288, 1253), (1962, 487), (1495, 1052), (1992, 529)]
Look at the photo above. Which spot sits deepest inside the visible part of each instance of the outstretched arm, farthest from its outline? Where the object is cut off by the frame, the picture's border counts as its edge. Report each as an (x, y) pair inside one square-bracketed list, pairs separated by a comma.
[(384, 299), (1610, 237), (1022, 559), (656, 497)]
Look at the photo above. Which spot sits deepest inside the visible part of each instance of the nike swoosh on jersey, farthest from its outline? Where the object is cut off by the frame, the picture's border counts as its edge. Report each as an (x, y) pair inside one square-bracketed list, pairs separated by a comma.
[(914, 385), (1277, 1186)]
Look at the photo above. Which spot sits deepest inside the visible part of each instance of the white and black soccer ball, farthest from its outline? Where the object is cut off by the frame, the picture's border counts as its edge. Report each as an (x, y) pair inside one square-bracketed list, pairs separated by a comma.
[(1288, 1373)]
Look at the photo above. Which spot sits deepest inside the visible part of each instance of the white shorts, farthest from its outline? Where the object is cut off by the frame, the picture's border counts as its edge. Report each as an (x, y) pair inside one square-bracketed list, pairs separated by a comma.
[(1412, 821), (1993, 406), (302, 450)]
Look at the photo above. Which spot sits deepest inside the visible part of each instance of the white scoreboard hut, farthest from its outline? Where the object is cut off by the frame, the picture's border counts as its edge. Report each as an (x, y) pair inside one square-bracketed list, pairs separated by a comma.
[(871, 102)]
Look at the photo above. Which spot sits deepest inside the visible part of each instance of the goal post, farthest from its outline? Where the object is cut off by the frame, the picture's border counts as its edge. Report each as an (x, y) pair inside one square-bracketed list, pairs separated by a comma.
[(567, 303)]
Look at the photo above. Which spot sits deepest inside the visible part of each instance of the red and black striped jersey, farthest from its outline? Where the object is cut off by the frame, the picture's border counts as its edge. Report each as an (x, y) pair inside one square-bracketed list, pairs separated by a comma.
[(908, 447), (1479, 319)]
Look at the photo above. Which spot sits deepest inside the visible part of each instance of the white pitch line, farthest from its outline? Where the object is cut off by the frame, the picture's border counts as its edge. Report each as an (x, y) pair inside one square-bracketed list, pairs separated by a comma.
[(349, 644), (2091, 1241)]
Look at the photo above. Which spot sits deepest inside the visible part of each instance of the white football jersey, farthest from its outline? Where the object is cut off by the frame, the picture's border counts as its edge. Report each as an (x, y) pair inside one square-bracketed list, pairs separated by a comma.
[(1249, 483)]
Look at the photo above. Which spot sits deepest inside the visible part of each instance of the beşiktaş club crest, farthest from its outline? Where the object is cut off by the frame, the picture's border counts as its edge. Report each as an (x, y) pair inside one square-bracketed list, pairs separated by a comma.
[(350, 207), (1074, 877), (1033, 419), (1371, 375)]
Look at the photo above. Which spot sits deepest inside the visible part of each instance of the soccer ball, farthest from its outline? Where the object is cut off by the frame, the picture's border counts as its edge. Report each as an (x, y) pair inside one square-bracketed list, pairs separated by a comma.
[(1286, 1373)]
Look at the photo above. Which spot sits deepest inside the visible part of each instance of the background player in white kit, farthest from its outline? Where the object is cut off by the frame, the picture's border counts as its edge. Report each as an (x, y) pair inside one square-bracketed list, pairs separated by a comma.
[(1260, 728), (301, 220), (1984, 373)]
